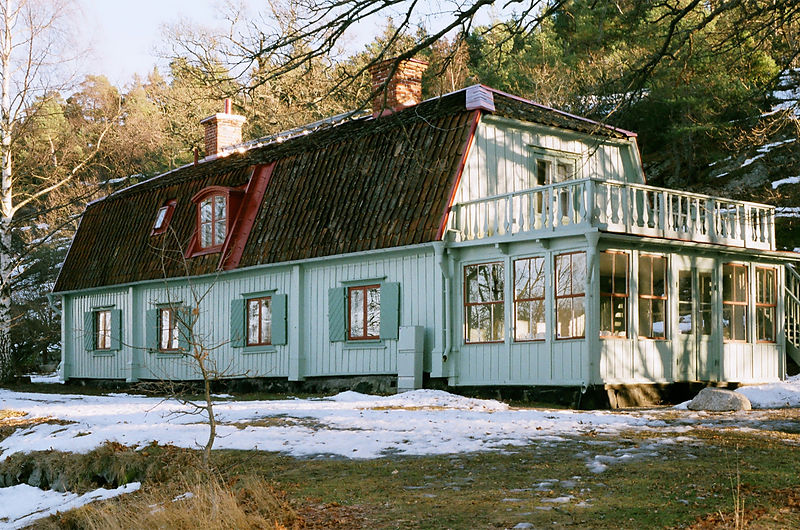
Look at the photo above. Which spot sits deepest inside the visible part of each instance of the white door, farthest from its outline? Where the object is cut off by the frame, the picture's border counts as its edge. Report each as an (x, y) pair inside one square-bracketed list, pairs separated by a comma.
[(694, 332)]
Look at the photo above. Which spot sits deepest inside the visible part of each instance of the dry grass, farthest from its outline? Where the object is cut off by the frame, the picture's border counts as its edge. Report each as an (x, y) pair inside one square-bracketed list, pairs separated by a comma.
[(244, 503)]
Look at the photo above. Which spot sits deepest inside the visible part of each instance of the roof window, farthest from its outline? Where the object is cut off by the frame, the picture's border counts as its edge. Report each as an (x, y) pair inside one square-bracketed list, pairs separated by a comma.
[(163, 217), (216, 208)]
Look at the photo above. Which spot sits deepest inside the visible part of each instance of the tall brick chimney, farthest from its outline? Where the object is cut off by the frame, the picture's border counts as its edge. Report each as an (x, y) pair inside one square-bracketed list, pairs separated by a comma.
[(223, 129), (403, 90)]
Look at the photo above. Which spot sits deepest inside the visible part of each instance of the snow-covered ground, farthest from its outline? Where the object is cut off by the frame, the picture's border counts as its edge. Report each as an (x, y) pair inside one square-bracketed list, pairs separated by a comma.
[(351, 425), (23, 504)]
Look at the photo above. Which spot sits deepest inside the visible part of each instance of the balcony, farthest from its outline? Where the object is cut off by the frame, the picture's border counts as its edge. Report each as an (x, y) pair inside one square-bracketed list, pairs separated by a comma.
[(611, 206)]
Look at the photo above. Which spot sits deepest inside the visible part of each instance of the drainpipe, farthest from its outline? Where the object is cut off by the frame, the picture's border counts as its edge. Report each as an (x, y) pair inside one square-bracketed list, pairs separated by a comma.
[(444, 266), (52, 303)]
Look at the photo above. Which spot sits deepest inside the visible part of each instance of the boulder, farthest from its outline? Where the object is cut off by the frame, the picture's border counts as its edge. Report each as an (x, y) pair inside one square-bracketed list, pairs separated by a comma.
[(719, 400)]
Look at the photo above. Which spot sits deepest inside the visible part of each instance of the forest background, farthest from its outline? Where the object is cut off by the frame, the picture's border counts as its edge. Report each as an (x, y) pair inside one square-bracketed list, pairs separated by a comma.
[(709, 87)]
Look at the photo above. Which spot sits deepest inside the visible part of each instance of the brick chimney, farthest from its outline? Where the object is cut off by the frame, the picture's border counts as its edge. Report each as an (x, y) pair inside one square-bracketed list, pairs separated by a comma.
[(223, 129), (403, 90)]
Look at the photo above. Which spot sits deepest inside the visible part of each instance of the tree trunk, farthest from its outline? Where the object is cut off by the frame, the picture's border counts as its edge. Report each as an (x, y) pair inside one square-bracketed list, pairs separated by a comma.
[(6, 198)]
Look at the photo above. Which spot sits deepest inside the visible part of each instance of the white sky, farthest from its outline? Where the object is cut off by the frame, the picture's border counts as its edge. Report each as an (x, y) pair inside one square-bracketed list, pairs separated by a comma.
[(124, 34)]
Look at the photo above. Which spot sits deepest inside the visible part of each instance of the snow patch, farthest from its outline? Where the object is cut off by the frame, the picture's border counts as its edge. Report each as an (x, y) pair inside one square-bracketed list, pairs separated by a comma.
[(24, 504), (785, 394), (787, 180)]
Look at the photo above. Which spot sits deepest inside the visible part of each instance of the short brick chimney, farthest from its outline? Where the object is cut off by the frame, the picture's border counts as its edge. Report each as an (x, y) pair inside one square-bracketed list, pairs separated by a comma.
[(403, 90), (223, 129)]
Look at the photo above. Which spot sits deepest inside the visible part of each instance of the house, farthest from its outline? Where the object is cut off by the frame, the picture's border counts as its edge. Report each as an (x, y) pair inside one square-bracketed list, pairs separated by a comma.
[(475, 239)]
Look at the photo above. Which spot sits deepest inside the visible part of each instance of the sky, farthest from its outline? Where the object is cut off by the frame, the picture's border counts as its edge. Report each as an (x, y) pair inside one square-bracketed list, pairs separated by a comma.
[(124, 34)]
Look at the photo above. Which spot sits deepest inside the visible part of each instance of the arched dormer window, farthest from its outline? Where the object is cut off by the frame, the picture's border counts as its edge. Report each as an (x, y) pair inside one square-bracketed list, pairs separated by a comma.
[(212, 221), (215, 208)]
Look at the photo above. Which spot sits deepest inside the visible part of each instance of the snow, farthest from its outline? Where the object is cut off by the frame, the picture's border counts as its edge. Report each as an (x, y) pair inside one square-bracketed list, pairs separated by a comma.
[(787, 180), (53, 378), (24, 504), (785, 394), (352, 425), (786, 211)]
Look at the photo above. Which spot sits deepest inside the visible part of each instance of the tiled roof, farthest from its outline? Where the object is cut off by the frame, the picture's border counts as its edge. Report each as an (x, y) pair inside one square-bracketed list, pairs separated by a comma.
[(359, 185)]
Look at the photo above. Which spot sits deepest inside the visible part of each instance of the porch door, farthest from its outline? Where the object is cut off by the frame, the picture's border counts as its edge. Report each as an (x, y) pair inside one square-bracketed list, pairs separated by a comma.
[(695, 329)]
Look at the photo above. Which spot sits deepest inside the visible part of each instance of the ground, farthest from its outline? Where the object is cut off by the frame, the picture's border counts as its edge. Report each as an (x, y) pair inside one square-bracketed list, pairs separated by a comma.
[(428, 459)]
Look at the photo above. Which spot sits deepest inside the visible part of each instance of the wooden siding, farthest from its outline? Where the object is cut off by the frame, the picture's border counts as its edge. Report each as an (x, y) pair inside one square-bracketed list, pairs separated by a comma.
[(86, 364), (501, 160), (415, 273)]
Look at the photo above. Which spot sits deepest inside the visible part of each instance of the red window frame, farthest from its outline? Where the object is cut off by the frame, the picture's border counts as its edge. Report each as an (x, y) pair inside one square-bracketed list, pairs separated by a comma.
[(651, 298), (540, 299), (174, 340), (365, 322), (762, 305), (212, 199), (614, 295), (468, 304), (169, 210), (732, 304), (264, 302), (102, 335), (572, 293), (233, 198)]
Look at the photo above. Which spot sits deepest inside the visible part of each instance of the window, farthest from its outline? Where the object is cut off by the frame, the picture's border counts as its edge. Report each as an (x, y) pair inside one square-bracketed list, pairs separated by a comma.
[(484, 298), (652, 297), (259, 321), (163, 217), (685, 311), (734, 302), (102, 329), (765, 304), (168, 337), (364, 310), (213, 221), (529, 319), (613, 294), (571, 295), (549, 169)]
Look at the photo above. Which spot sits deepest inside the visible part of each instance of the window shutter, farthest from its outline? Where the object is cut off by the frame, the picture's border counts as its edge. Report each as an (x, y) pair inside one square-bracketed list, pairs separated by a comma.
[(88, 330), (151, 329), (184, 316), (278, 319), (116, 329), (237, 323), (337, 314), (390, 310)]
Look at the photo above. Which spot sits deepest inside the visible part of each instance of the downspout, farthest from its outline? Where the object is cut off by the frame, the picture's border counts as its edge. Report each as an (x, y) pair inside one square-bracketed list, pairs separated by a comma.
[(51, 302), (438, 249)]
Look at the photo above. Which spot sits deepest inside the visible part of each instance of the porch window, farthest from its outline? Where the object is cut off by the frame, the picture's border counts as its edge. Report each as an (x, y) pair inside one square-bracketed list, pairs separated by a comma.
[(364, 306), (484, 286), (734, 302), (571, 295), (259, 321), (765, 304), (652, 297), (685, 311), (102, 329), (613, 294), (213, 221), (167, 329), (552, 170), (529, 320)]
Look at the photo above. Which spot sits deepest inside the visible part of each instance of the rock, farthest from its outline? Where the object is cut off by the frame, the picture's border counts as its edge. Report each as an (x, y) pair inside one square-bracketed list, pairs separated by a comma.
[(35, 478), (719, 400), (60, 484)]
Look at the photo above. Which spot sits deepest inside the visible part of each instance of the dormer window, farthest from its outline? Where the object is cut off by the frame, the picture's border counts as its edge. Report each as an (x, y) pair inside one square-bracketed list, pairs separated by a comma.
[(163, 217), (216, 208), (213, 221), (551, 167)]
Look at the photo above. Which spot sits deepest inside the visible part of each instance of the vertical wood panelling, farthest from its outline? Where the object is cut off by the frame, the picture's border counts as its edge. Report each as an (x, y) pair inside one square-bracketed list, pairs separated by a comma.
[(111, 365)]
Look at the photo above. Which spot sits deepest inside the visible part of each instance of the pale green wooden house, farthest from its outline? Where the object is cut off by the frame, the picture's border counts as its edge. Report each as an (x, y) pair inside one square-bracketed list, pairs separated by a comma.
[(476, 239)]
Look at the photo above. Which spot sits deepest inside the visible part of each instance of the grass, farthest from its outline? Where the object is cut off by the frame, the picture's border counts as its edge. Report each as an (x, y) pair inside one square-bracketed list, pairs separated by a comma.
[(673, 484)]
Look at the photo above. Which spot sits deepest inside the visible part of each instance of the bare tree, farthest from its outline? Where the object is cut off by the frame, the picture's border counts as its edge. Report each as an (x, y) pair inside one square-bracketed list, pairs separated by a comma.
[(34, 49)]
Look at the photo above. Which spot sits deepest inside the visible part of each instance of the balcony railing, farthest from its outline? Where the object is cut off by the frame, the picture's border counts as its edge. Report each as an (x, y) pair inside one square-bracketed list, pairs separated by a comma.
[(617, 207)]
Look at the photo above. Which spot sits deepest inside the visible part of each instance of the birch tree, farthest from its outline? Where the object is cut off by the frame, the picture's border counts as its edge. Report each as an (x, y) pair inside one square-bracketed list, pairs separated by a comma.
[(35, 53)]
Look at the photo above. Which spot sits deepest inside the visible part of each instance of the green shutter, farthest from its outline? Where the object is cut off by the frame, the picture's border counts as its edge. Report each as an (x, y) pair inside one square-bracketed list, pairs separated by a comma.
[(337, 314), (151, 329), (88, 330), (116, 329), (390, 310), (278, 319), (237, 323), (184, 316)]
